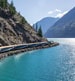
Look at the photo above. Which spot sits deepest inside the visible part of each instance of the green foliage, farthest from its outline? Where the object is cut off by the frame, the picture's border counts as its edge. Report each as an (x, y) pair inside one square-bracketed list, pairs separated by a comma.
[(3, 3), (36, 27), (40, 32), (12, 8), (23, 21)]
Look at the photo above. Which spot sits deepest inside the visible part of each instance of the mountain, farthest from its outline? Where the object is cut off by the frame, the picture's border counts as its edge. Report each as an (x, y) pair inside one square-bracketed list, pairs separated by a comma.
[(45, 23), (14, 29), (64, 27)]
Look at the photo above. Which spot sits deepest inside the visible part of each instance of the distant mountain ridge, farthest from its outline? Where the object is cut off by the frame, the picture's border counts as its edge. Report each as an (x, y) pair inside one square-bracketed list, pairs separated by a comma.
[(46, 23), (64, 27)]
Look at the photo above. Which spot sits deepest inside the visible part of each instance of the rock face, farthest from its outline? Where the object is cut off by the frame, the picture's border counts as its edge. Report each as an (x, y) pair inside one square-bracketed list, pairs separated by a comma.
[(46, 23), (64, 27), (12, 31)]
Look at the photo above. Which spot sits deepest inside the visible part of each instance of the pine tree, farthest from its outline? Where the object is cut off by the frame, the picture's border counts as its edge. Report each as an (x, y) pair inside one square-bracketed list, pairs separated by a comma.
[(3, 3), (23, 21), (12, 8), (40, 32), (36, 27)]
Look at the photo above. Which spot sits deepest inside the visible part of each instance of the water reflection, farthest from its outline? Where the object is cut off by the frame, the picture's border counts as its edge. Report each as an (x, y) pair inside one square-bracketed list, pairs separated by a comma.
[(52, 64), (67, 64), (67, 41)]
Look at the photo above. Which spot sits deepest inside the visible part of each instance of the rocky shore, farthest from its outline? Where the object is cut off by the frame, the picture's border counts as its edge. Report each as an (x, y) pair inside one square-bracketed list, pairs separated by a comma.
[(18, 51)]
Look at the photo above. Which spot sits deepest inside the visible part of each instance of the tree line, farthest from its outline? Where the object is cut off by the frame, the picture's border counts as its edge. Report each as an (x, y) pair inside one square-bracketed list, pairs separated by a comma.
[(38, 30), (4, 4)]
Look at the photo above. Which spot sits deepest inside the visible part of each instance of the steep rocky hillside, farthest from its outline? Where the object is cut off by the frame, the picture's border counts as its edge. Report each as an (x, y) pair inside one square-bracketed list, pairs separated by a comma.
[(14, 29)]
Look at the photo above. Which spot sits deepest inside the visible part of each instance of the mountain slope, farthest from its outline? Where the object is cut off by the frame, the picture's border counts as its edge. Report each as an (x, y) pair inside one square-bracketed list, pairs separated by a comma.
[(14, 29), (46, 23), (64, 27)]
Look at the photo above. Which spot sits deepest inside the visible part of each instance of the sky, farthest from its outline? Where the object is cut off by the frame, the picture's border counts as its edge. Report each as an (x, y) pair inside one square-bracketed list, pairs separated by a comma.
[(35, 10)]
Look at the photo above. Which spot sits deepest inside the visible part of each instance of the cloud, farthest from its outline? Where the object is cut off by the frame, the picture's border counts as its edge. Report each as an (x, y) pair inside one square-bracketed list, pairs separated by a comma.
[(54, 11), (57, 13), (61, 14), (57, 10), (50, 12)]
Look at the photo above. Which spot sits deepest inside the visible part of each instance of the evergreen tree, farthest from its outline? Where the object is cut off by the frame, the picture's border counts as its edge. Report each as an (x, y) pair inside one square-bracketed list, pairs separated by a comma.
[(36, 27), (3, 3), (23, 21), (12, 8), (40, 32)]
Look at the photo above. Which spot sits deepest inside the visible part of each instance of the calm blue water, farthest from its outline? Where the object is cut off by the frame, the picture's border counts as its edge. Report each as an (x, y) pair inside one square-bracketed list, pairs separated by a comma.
[(52, 64)]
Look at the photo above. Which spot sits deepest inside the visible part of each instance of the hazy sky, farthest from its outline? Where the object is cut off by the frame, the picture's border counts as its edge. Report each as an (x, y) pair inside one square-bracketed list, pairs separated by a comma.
[(34, 10)]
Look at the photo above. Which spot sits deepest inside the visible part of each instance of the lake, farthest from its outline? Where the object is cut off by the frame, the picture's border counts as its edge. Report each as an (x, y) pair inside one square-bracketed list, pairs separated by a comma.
[(50, 64)]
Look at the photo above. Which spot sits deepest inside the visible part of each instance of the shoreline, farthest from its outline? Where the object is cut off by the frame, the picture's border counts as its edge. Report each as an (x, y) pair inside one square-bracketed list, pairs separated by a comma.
[(18, 51)]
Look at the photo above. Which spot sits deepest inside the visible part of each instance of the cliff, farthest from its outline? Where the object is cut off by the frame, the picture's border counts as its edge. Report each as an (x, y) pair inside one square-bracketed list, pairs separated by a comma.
[(14, 29)]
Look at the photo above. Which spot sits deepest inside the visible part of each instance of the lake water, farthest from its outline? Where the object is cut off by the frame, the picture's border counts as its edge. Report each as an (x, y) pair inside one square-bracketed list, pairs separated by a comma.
[(51, 64)]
